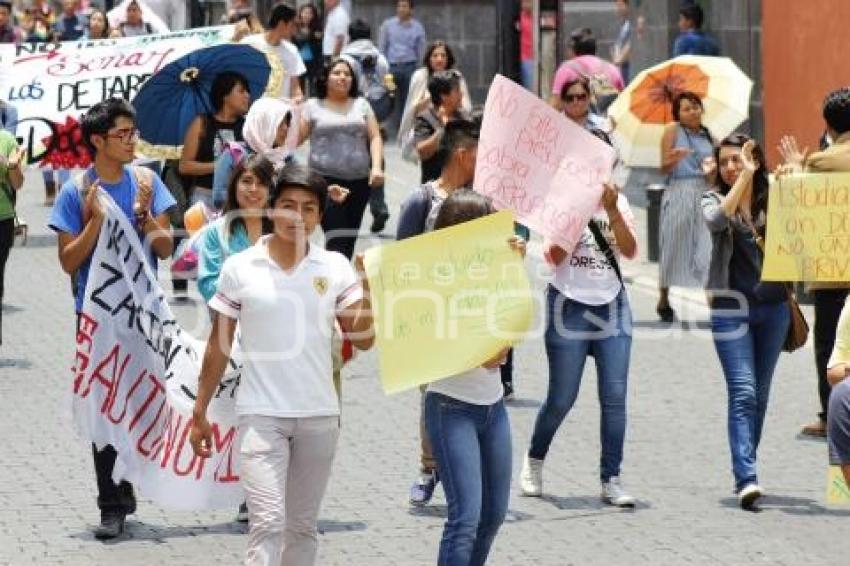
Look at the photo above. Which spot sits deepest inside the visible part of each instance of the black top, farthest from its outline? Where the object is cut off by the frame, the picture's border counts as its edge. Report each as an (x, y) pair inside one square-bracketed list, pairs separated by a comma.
[(214, 136), (745, 272)]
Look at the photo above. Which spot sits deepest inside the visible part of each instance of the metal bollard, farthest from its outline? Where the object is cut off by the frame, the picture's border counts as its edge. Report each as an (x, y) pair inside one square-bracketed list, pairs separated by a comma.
[(654, 193)]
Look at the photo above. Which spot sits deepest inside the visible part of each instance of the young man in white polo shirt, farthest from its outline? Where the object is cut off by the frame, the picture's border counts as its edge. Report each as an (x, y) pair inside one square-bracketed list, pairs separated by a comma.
[(285, 293)]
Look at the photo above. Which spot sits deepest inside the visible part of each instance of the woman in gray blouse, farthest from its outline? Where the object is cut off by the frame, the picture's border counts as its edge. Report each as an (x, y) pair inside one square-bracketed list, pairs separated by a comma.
[(345, 148)]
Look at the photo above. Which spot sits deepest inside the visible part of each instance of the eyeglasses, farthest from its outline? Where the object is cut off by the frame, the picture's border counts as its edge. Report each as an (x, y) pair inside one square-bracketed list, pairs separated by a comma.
[(575, 97), (126, 135)]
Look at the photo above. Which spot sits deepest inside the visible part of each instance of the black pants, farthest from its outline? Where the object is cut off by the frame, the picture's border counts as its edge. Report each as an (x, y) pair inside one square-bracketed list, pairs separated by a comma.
[(828, 305), (7, 239), (507, 369), (341, 222), (111, 498), (402, 73)]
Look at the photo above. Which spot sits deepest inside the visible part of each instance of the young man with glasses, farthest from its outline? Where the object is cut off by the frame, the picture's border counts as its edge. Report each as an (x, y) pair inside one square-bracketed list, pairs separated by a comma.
[(109, 131)]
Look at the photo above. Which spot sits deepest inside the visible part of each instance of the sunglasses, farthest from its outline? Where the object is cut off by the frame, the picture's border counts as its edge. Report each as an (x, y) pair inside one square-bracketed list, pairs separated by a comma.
[(575, 97), (126, 135)]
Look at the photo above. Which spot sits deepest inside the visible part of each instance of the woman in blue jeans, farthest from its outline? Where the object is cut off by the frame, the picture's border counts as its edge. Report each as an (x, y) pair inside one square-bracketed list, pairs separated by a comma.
[(749, 318), (470, 433), (588, 314)]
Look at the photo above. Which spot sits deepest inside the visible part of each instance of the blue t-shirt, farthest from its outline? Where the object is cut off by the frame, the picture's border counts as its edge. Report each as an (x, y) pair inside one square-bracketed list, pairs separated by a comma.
[(695, 43), (67, 213)]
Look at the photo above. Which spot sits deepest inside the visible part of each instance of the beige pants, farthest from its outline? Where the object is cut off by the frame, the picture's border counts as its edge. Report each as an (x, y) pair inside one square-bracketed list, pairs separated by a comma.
[(286, 465)]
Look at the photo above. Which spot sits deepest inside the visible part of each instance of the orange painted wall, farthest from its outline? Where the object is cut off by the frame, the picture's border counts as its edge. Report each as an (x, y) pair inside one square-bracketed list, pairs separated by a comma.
[(805, 55)]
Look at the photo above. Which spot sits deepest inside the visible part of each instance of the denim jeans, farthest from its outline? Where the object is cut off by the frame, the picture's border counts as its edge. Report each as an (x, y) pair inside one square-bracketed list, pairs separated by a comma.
[(573, 332), (472, 445), (748, 344)]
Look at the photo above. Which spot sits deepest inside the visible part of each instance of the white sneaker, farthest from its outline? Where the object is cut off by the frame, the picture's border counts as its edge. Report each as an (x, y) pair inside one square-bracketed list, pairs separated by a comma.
[(531, 477), (613, 493), (748, 496)]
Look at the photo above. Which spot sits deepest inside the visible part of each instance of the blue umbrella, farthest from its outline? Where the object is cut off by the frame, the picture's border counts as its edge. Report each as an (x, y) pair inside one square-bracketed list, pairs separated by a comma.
[(177, 93)]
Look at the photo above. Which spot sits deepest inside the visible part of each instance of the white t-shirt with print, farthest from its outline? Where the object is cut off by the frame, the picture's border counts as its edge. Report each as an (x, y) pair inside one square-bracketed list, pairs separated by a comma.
[(586, 275), (290, 60), (286, 321), (335, 25)]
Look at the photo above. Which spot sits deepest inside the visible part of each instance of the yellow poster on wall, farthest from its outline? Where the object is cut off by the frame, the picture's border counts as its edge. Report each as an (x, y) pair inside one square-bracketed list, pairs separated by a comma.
[(837, 492), (447, 301), (808, 229)]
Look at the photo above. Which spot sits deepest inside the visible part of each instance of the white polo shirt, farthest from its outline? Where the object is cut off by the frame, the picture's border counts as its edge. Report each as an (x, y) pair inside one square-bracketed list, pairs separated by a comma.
[(286, 321)]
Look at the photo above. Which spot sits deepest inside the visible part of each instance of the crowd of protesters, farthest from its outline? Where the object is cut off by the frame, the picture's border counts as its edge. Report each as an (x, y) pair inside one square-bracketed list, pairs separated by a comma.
[(343, 94)]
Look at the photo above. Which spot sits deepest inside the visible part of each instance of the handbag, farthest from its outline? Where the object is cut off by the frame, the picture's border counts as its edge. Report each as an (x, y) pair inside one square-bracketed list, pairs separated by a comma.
[(605, 247), (798, 329)]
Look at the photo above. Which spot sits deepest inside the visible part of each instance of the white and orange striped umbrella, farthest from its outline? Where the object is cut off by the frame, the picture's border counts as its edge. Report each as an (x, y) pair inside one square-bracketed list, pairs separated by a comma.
[(644, 108)]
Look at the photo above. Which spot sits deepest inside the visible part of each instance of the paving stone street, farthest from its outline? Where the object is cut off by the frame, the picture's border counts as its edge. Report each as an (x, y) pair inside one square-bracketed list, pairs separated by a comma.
[(676, 463)]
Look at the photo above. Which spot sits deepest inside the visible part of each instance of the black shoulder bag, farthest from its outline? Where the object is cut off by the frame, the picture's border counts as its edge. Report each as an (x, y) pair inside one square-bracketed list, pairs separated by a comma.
[(606, 248)]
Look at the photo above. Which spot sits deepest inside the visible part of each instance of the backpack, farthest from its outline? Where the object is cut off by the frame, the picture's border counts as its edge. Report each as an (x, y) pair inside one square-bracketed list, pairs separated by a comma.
[(371, 84)]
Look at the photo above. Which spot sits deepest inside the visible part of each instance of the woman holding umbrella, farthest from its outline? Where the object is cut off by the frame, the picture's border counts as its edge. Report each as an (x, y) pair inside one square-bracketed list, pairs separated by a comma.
[(345, 148), (684, 239), (209, 134)]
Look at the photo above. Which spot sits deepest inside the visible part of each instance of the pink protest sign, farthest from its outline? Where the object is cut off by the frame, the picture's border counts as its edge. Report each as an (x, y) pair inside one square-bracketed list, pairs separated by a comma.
[(540, 164)]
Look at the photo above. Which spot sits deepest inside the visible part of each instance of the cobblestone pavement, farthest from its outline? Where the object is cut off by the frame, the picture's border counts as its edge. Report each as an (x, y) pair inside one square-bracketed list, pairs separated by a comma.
[(676, 463)]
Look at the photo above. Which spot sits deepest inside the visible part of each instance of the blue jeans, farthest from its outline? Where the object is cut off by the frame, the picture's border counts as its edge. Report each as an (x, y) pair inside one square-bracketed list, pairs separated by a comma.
[(573, 332), (748, 343), (472, 446)]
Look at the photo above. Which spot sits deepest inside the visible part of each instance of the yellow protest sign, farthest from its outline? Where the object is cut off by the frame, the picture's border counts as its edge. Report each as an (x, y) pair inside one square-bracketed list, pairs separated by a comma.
[(837, 492), (808, 229), (447, 301)]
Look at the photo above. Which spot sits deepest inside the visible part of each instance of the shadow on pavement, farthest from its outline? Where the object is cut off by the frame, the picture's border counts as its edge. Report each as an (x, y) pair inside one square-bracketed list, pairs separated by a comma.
[(800, 506), (589, 503), (139, 531), (331, 526), (19, 363), (439, 510), (40, 241)]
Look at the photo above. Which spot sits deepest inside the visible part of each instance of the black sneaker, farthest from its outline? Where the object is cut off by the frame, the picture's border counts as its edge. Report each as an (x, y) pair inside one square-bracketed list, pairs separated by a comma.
[(379, 223), (111, 526), (128, 497)]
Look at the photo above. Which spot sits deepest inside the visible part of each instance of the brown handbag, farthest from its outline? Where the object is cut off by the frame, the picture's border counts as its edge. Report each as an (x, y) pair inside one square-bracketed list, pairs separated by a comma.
[(798, 329)]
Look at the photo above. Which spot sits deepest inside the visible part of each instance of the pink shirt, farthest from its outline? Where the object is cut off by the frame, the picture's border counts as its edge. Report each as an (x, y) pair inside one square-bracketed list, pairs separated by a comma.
[(526, 37), (586, 65)]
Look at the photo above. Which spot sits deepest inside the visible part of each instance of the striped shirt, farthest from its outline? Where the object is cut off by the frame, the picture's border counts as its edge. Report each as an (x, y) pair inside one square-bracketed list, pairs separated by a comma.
[(286, 321)]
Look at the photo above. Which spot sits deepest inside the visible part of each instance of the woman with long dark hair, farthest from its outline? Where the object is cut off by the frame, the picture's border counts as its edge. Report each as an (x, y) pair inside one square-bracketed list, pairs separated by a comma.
[(438, 57), (243, 222), (749, 317), (345, 148), (683, 238), (588, 315), (308, 40)]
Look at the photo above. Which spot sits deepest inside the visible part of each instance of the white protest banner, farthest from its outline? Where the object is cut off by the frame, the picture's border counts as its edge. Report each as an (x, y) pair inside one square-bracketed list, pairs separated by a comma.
[(539, 164), (135, 378), (52, 84)]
